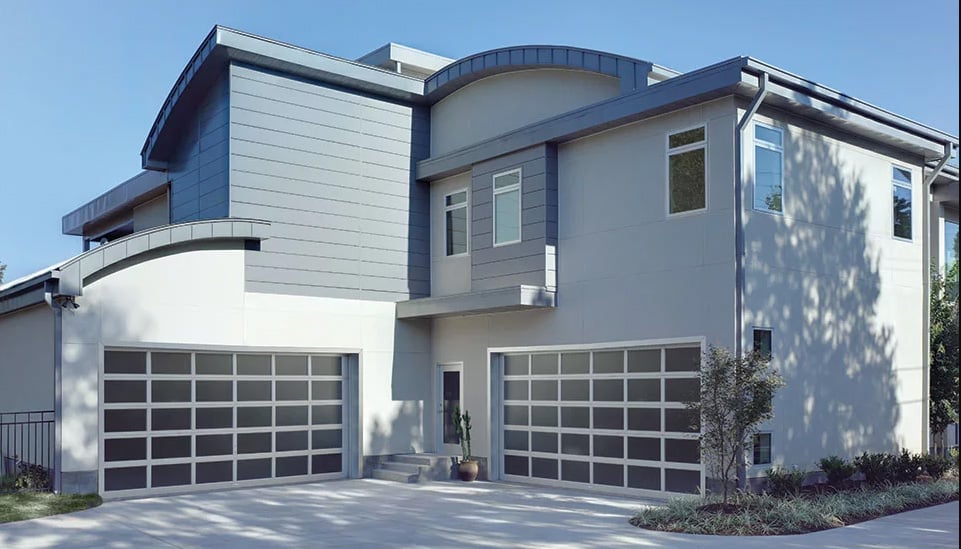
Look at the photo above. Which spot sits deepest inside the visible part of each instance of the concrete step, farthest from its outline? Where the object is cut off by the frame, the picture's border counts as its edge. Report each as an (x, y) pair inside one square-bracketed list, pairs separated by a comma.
[(396, 476), (403, 467), (416, 459)]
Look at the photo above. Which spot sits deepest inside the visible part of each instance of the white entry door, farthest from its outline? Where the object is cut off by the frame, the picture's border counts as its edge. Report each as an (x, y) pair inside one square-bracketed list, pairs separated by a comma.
[(449, 388)]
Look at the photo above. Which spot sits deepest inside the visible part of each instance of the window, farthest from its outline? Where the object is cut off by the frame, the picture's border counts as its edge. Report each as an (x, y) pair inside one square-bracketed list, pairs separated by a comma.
[(455, 222), (762, 448), (762, 341), (949, 244), (686, 154), (901, 179), (768, 168), (507, 207)]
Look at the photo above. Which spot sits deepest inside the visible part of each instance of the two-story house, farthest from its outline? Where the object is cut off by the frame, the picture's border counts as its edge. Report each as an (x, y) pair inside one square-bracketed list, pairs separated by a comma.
[(323, 257)]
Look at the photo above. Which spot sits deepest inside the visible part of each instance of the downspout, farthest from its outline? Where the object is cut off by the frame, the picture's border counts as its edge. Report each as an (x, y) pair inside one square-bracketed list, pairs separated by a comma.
[(926, 285), (57, 377)]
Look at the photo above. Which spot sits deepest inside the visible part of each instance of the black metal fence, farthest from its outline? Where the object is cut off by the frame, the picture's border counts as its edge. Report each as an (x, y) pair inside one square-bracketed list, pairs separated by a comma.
[(27, 449)]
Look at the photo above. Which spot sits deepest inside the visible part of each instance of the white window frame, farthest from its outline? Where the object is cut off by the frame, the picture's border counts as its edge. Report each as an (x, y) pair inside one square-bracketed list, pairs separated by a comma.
[(520, 206), (942, 239), (770, 461), (771, 146), (764, 329), (667, 167), (910, 188), (466, 206)]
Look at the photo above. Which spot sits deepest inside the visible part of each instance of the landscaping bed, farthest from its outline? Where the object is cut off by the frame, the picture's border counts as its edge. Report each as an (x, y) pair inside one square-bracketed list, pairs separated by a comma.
[(30, 505)]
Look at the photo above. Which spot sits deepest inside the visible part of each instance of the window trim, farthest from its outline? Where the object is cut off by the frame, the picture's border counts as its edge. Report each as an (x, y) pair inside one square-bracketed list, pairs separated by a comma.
[(770, 448), (466, 206), (910, 188), (770, 146), (667, 167), (520, 206)]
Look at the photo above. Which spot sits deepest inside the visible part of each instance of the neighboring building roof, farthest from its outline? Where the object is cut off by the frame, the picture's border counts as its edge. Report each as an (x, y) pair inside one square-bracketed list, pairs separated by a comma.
[(139, 188), (405, 60)]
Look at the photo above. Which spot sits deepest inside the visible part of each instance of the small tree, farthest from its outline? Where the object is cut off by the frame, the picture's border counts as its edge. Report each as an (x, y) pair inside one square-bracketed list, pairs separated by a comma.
[(944, 354), (2, 268), (736, 397)]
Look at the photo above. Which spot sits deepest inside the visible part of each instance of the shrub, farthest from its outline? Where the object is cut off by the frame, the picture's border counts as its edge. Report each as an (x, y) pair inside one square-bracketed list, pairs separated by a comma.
[(782, 482), (32, 477), (907, 467), (954, 456), (935, 466), (876, 468), (837, 469)]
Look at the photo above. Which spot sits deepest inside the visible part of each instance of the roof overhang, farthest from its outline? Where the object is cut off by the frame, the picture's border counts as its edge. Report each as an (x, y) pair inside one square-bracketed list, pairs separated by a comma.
[(514, 298), (139, 188)]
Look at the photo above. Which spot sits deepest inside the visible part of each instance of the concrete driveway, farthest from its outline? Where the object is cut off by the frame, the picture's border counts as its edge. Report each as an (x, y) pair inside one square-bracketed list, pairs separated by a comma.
[(372, 513)]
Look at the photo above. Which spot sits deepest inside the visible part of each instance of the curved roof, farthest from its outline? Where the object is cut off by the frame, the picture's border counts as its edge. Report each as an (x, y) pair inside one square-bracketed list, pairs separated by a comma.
[(631, 72)]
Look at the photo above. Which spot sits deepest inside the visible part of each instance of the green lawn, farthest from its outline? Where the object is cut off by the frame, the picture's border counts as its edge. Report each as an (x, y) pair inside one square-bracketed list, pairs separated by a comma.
[(14, 507)]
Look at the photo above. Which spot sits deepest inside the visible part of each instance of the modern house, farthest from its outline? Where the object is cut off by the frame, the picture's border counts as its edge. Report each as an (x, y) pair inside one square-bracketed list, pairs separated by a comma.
[(322, 257)]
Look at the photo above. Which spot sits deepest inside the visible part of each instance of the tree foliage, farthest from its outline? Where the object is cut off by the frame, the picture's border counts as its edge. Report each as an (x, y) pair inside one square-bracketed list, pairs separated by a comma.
[(944, 353), (2, 268)]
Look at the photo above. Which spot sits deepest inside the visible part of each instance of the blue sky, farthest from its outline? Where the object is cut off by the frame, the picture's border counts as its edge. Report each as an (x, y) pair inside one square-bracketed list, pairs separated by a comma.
[(82, 81)]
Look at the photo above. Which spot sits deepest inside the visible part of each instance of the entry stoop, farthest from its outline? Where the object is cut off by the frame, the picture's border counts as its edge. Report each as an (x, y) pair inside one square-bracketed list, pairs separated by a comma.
[(414, 468)]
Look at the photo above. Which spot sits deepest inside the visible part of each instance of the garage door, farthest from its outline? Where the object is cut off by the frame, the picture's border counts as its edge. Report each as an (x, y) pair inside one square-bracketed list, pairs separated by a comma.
[(172, 420), (611, 419)]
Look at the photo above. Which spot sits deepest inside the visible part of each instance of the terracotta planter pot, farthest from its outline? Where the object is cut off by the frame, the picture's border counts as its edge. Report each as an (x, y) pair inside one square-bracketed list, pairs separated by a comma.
[(468, 470)]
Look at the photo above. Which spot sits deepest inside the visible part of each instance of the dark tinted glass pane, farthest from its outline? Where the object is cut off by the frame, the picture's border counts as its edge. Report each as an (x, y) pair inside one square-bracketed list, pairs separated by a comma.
[(609, 474), (762, 448), (214, 364), (681, 421), (209, 391), (515, 440), (326, 463), (575, 389), (215, 471), (543, 390), (515, 465), (169, 419), (170, 475), (170, 363), (648, 449), (125, 478), (647, 360), (687, 181), (125, 391), (576, 471), (902, 212), (609, 362), (576, 445), (608, 446), (290, 365), (124, 449), (291, 466), (544, 468), (676, 480), (215, 445), (608, 418), (291, 415), (643, 390), (325, 365), (681, 390), (575, 417), (456, 226), (170, 391), (215, 418), (515, 390), (643, 419), (544, 442), (647, 478), (291, 440), (609, 390), (686, 137), (687, 359), (254, 417), (253, 365), (575, 363), (169, 447), (124, 362), (124, 420), (544, 416), (253, 443), (327, 414), (291, 390), (516, 365), (515, 415), (544, 365), (253, 390), (762, 341), (326, 390), (248, 469), (324, 439), (682, 451)]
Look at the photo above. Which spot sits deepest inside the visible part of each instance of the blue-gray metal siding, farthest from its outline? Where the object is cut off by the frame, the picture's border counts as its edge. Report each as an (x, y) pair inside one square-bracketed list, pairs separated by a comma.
[(332, 171)]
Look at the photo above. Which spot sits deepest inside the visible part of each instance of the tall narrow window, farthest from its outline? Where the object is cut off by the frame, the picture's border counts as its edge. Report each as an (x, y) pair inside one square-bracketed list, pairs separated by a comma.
[(686, 166), (768, 168), (762, 341), (455, 222), (901, 179), (949, 243), (762, 448), (507, 207)]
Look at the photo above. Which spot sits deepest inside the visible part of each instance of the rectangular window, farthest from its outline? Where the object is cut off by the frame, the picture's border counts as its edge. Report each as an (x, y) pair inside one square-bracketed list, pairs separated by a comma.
[(768, 168), (507, 207), (949, 244), (686, 160), (762, 341), (901, 180), (762, 448), (455, 222)]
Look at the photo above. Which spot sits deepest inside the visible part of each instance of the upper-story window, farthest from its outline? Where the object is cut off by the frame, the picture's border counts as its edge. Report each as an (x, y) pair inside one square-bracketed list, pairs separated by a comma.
[(768, 168), (949, 244), (455, 222), (901, 182), (507, 207), (686, 166)]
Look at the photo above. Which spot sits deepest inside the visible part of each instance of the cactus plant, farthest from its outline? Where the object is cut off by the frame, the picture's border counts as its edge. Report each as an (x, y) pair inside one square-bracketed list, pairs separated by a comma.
[(462, 428)]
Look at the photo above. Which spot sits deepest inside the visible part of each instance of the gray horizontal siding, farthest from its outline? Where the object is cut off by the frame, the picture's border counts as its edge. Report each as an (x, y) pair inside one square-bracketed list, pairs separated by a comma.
[(331, 170)]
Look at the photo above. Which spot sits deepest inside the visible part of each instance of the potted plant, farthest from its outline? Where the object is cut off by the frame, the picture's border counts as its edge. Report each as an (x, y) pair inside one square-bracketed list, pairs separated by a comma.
[(467, 469)]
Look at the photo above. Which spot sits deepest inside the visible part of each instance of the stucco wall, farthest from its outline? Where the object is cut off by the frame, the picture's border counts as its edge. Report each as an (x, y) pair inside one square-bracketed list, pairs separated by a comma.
[(26, 360)]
